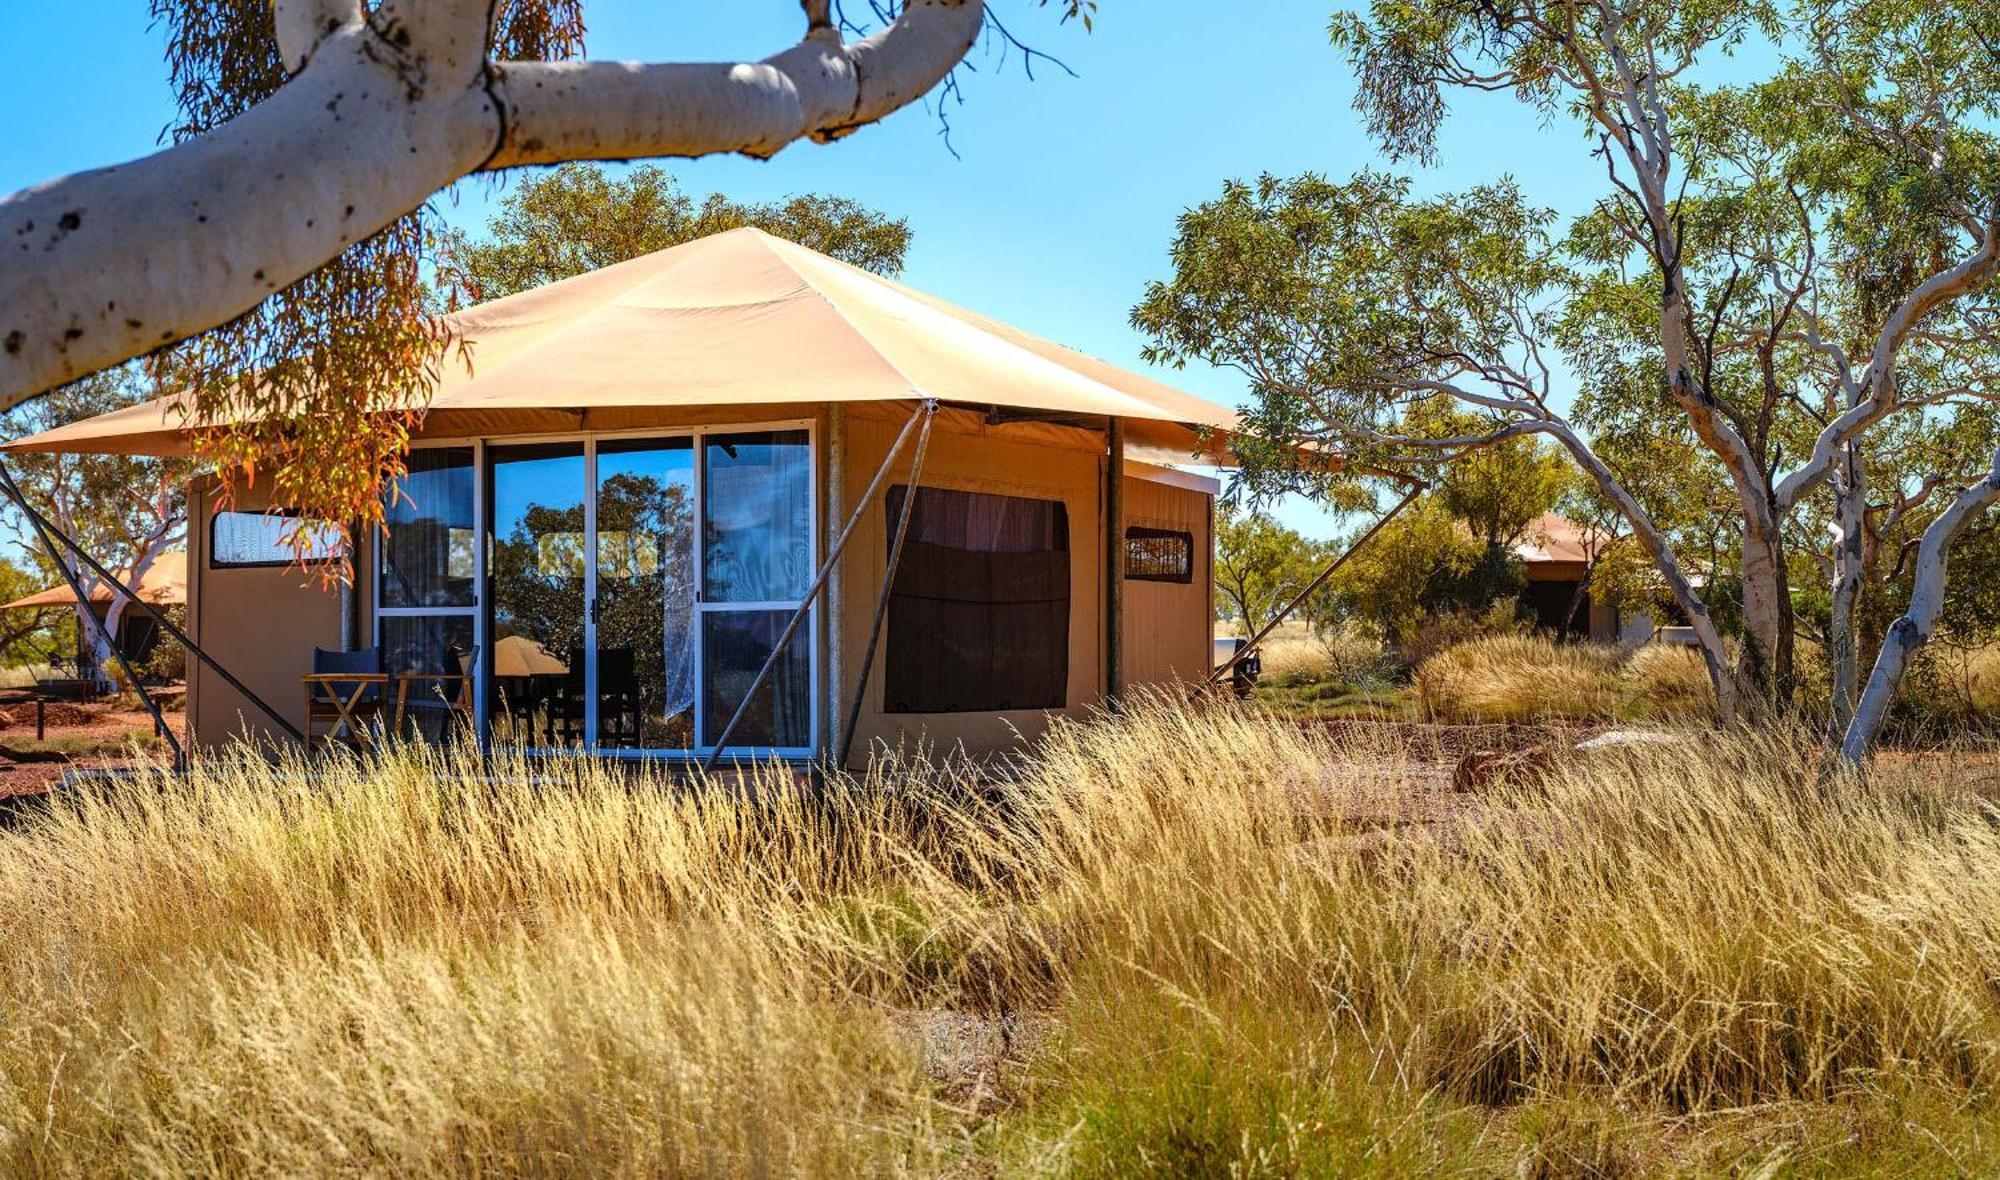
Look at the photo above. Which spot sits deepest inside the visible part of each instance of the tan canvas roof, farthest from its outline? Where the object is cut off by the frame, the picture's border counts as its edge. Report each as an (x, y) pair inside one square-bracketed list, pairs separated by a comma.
[(165, 584), (1554, 538), (740, 318)]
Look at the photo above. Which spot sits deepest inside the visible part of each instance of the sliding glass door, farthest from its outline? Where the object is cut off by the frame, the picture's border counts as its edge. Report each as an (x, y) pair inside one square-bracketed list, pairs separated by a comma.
[(538, 593), (427, 583), (645, 640), (629, 592)]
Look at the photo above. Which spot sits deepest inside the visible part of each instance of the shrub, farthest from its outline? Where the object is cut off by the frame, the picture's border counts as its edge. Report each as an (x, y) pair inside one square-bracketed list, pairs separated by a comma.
[(1436, 631), (1517, 678)]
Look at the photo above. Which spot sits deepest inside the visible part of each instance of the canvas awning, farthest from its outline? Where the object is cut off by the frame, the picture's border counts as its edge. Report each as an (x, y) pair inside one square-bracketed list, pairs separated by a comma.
[(738, 319), (165, 584)]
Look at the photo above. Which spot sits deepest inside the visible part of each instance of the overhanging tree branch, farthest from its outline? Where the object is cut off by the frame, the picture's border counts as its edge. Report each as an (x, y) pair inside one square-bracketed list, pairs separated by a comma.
[(115, 263)]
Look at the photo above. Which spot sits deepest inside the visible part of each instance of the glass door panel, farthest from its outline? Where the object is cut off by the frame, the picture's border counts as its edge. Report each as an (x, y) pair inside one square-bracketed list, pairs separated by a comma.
[(757, 564), (645, 594), (757, 519), (427, 584), (539, 585), (735, 644)]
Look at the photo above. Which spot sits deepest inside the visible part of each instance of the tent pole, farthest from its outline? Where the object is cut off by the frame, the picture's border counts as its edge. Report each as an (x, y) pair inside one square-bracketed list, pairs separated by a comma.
[(923, 413), (1416, 487), (41, 522), (888, 585), (1114, 563), (102, 626)]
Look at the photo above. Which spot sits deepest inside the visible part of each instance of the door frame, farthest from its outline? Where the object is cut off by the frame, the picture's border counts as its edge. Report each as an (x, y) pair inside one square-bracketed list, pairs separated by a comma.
[(482, 612)]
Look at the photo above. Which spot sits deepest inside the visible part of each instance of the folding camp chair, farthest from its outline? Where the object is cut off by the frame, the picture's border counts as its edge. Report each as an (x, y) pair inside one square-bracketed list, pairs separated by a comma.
[(344, 694), (447, 692)]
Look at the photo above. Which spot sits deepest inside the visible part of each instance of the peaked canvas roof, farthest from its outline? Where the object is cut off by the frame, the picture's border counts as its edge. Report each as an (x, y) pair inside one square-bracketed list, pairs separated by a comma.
[(1554, 538), (740, 318), (165, 584)]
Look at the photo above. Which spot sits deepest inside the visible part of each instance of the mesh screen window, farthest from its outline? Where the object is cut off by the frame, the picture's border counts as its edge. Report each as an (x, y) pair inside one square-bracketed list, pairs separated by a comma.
[(1159, 555), (979, 615)]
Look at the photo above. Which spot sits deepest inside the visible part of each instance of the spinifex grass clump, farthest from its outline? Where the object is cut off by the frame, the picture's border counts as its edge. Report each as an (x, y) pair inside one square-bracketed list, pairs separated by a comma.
[(1203, 940)]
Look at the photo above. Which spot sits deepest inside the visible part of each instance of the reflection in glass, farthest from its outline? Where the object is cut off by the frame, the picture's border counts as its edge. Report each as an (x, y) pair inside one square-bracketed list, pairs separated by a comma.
[(757, 518), (427, 554), (428, 643), (735, 645), (537, 581), (645, 594)]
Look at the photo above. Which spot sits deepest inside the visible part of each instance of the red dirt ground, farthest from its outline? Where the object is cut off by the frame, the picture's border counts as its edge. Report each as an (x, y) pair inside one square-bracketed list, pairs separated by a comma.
[(28, 768)]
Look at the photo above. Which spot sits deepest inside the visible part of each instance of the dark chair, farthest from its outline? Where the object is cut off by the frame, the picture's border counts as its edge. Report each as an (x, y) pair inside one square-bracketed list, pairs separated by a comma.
[(344, 694), (445, 694), (618, 697)]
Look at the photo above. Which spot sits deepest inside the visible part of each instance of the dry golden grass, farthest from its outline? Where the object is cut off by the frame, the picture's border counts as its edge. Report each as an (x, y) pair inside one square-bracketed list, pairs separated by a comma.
[(1517, 678), (1982, 678), (1698, 956), (1670, 681), (1294, 655)]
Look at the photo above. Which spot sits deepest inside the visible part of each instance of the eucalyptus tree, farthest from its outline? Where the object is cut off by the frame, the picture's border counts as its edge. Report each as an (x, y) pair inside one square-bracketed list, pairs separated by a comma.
[(578, 218), (1774, 273), (286, 235), (127, 510)]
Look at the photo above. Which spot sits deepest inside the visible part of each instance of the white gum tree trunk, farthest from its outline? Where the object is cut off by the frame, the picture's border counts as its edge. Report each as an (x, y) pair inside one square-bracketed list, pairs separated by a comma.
[(1908, 635), (1849, 569), (383, 111)]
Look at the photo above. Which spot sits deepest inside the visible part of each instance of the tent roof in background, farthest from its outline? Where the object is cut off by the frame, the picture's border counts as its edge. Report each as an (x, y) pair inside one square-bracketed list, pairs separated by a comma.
[(165, 584), (1556, 538), (740, 318)]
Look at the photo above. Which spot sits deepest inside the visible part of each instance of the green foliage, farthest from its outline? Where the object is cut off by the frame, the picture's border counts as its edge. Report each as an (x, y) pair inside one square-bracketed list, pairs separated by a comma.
[(1496, 492), (31, 637), (1314, 290), (345, 358), (579, 218), (1260, 565), (1419, 563)]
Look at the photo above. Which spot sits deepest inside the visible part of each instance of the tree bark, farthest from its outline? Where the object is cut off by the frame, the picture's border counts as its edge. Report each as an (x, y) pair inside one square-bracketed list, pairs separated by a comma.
[(1908, 635), (117, 262), (1764, 670), (1849, 574), (1714, 655)]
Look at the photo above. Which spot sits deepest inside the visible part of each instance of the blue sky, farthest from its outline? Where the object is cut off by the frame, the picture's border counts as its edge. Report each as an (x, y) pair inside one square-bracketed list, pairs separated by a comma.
[(1060, 205)]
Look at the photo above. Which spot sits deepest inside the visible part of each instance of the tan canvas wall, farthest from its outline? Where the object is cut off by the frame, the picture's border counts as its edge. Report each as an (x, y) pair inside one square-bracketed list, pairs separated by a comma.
[(1167, 624), (260, 623), (967, 455), (1167, 628)]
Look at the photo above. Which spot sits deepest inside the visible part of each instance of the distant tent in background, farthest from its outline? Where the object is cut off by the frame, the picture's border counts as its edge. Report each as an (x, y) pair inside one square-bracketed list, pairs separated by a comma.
[(164, 584), (1556, 554)]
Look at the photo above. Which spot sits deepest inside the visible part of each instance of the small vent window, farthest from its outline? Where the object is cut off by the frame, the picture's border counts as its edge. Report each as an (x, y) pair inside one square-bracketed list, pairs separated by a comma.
[(1159, 555), (241, 540)]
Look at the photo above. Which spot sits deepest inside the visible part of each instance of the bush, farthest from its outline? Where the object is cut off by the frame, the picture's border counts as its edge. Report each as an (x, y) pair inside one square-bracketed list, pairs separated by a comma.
[(1432, 633), (1517, 678)]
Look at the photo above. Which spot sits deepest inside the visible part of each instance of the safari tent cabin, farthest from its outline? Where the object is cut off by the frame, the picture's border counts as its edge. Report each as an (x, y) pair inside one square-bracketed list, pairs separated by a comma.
[(611, 516), (163, 583), (1556, 555)]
